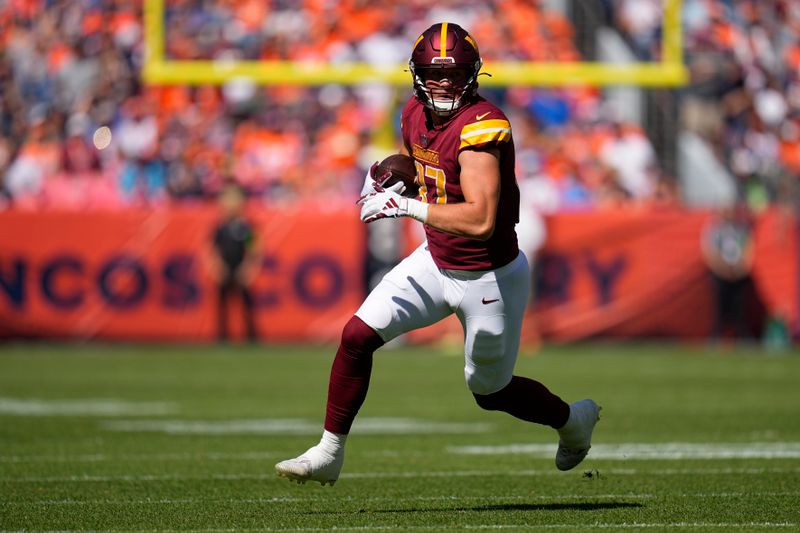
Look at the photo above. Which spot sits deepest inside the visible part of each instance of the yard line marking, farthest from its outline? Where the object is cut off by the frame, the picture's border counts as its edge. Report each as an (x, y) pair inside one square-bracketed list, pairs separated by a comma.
[(530, 526), (401, 499), (157, 501), (549, 472), (635, 525), (649, 451), (178, 456), (629, 451), (335, 499), (82, 407), (402, 475), (293, 426)]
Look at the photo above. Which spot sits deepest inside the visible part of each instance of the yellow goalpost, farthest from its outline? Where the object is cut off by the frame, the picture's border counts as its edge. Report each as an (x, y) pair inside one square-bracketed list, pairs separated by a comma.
[(158, 69)]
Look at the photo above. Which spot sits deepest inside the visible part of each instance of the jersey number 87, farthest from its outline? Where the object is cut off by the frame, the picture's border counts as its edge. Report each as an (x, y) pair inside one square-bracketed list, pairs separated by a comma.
[(435, 175)]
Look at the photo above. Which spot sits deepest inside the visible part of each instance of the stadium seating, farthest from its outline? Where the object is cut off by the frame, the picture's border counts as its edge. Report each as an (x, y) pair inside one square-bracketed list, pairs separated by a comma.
[(79, 129)]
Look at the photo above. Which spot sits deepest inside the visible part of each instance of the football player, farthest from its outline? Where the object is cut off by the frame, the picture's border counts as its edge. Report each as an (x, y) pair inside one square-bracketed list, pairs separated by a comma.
[(469, 265)]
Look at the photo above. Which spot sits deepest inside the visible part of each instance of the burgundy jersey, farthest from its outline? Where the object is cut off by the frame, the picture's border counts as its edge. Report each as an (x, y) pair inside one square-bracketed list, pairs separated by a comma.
[(478, 125)]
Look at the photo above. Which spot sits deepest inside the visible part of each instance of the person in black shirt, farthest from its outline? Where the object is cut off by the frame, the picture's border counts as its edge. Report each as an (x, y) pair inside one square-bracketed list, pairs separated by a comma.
[(235, 260), (728, 250)]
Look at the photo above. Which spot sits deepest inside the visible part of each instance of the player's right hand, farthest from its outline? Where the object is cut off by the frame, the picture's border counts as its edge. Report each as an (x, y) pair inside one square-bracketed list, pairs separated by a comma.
[(388, 203), (381, 203)]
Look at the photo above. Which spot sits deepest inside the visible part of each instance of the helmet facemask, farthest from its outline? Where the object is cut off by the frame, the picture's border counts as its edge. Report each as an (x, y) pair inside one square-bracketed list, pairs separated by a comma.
[(443, 87)]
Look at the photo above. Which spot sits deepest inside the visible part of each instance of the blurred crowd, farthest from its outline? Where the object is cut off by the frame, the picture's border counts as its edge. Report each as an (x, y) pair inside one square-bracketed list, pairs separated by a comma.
[(744, 60), (79, 129)]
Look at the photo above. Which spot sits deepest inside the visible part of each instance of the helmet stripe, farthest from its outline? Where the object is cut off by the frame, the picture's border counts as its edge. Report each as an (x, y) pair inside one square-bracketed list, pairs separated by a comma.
[(471, 41), (443, 41)]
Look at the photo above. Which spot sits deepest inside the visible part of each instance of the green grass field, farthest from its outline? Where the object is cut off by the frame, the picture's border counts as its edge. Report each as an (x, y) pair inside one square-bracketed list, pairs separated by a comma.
[(154, 438)]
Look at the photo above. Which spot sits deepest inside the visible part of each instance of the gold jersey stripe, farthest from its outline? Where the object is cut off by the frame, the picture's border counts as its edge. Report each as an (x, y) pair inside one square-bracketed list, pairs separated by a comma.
[(484, 132), (443, 41), (483, 124), (485, 138), (495, 135)]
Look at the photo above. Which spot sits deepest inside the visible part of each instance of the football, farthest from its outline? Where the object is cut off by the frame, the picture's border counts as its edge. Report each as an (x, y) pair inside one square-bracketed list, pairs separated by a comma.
[(399, 167)]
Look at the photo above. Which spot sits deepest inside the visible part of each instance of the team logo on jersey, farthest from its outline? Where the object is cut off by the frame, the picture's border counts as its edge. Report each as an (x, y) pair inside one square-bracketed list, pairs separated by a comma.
[(421, 153)]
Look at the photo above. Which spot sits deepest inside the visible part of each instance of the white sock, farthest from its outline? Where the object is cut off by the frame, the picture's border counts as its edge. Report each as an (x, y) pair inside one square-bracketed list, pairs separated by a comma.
[(332, 443), (569, 428)]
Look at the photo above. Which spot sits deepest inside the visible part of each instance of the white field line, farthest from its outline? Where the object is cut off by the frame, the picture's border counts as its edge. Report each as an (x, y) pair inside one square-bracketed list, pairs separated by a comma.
[(622, 452), (624, 525), (182, 456), (82, 407), (533, 527), (341, 499), (401, 499), (637, 525), (132, 457), (403, 475), (649, 451), (293, 426), (523, 526)]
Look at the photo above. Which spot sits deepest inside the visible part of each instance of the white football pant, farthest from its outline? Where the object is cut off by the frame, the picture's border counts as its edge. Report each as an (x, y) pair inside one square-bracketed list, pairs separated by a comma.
[(490, 305)]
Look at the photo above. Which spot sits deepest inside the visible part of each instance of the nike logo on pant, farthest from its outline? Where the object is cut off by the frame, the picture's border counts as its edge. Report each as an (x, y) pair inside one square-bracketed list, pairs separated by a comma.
[(484, 301)]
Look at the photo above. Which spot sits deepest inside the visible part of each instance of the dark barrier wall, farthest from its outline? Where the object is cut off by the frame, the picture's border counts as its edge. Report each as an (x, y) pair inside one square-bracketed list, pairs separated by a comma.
[(143, 275)]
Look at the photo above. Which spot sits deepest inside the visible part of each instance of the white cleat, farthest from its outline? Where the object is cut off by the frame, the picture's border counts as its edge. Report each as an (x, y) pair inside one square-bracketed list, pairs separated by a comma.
[(575, 438), (314, 465)]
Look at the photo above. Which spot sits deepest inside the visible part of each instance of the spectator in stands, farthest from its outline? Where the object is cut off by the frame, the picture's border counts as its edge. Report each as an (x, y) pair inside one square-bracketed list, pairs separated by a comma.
[(77, 75), (641, 19), (143, 175), (630, 155), (38, 159), (234, 260), (743, 58), (86, 59), (81, 183), (78, 155), (5, 160)]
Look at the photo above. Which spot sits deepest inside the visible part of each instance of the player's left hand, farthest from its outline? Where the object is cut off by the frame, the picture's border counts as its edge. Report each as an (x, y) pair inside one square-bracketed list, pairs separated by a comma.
[(373, 180)]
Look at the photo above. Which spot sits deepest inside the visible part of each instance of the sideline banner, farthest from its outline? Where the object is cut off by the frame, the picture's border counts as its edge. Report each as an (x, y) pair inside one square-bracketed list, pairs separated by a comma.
[(143, 275), (623, 274), (636, 273)]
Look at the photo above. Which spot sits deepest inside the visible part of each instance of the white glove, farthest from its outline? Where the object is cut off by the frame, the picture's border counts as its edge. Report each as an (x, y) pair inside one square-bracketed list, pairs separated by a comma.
[(387, 203), (370, 180)]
